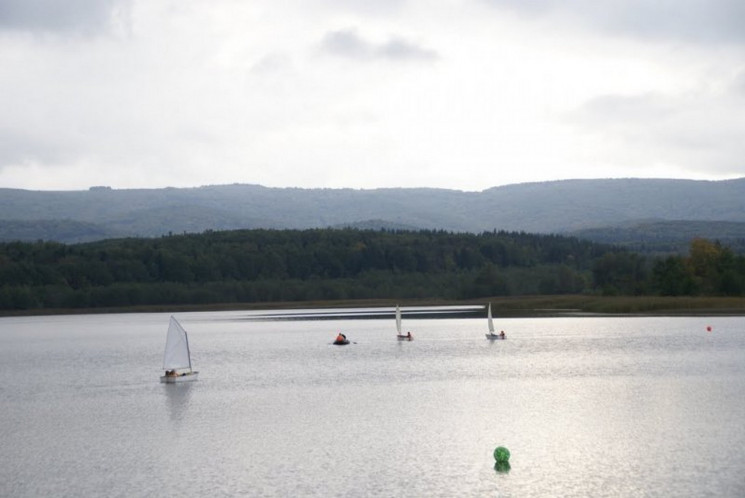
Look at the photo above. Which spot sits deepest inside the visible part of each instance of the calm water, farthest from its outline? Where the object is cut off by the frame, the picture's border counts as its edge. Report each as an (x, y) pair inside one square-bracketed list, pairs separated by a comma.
[(588, 407)]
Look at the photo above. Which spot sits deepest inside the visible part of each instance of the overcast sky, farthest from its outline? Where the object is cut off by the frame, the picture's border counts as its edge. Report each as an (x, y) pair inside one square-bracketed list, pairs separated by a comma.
[(460, 94)]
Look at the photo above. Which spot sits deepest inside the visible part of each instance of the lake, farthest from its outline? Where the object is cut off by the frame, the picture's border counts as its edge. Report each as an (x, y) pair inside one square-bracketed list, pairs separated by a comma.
[(587, 406)]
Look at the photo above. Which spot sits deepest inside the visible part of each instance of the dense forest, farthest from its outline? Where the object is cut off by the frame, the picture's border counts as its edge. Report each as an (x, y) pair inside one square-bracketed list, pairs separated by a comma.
[(323, 264)]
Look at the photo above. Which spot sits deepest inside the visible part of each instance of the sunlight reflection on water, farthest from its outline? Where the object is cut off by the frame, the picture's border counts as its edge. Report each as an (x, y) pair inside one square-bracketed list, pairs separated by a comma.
[(587, 406)]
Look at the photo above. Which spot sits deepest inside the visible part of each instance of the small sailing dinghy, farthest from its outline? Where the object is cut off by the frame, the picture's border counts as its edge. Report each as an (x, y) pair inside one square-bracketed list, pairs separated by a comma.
[(341, 340), (177, 358), (491, 335), (400, 336)]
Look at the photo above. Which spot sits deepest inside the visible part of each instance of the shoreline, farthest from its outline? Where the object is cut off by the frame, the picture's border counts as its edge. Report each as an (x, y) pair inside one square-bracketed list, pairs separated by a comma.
[(506, 307)]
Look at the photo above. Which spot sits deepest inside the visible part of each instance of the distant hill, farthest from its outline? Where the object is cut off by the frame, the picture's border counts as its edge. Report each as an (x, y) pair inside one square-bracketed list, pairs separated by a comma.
[(67, 231), (666, 237), (570, 206)]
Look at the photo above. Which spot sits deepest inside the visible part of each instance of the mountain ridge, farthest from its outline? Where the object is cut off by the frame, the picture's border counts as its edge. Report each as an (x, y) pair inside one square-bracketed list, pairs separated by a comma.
[(560, 206)]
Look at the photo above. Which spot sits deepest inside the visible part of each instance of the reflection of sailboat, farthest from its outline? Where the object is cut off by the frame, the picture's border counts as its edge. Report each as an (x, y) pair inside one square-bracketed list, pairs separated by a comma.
[(176, 358), (491, 335), (400, 336), (178, 398)]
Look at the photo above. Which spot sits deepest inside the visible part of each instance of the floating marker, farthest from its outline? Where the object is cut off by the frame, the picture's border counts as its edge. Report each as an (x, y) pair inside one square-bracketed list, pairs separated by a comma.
[(502, 454), (708, 328)]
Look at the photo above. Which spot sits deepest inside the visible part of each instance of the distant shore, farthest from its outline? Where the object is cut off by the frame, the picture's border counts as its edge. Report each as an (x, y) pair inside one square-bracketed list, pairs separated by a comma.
[(518, 306)]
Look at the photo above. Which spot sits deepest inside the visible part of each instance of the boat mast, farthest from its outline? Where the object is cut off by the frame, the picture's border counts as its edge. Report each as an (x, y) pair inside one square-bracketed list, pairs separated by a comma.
[(188, 352)]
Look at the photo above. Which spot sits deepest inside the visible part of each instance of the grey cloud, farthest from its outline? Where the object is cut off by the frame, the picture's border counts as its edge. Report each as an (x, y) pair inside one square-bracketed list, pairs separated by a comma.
[(348, 43), (617, 109), (271, 63), (699, 21), (67, 16), (696, 130), (738, 85), (22, 148), (398, 48)]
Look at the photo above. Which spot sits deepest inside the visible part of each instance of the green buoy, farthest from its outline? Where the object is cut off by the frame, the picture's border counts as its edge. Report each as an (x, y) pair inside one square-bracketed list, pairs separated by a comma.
[(502, 457)]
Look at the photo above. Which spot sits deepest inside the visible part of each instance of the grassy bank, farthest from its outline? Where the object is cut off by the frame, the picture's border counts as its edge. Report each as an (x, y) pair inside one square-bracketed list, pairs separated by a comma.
[(619, 305), (522, 306)]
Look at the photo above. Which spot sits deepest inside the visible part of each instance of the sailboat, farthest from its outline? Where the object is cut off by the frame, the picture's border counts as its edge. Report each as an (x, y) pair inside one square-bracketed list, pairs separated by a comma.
[(177, 358), (341, 340), (400, 336), (491, 335)]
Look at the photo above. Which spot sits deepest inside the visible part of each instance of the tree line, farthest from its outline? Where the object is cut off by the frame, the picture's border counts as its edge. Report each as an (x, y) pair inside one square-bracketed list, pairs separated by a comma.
[(246, 266)]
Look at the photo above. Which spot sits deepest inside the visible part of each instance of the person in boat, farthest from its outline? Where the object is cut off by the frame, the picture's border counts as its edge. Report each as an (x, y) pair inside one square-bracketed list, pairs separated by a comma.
[(501, 334), (170, 373), (341, 337), (408, 335)]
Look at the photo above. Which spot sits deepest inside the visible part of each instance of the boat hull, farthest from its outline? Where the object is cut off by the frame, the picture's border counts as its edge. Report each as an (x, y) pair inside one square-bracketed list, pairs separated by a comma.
[(494, 337), (341, 343), (173, 379), (404, 337)]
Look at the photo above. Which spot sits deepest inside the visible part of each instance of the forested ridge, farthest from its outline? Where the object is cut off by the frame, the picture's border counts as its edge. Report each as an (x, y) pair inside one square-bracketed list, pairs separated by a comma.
[(666, 237), (248, 266), (546, 207)]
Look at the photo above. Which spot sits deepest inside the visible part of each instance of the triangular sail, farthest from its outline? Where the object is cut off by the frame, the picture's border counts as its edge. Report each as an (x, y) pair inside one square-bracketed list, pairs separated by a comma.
[(491, 322), (398, 320), (176, 355)]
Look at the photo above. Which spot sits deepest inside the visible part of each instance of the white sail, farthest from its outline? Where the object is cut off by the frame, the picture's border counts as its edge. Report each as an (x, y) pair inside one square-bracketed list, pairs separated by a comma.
[(398, 320), (491, 322), (176, 355)]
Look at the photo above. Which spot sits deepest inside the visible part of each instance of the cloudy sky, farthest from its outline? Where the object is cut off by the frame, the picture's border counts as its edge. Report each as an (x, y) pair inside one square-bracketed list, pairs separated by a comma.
[(461, 94)]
